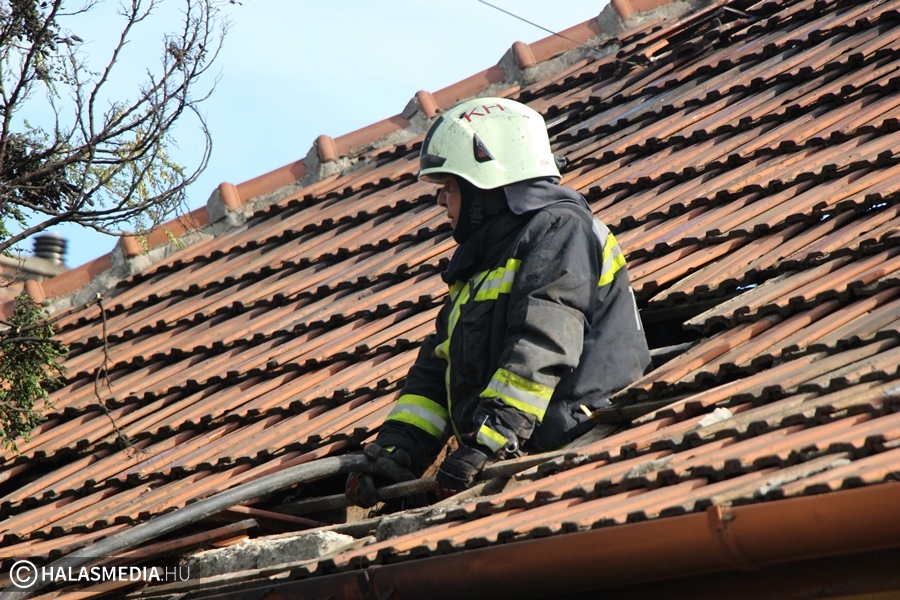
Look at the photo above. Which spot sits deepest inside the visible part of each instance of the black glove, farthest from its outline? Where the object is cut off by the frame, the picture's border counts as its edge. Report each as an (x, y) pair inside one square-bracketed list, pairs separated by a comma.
[(459, 469), (362, 488)]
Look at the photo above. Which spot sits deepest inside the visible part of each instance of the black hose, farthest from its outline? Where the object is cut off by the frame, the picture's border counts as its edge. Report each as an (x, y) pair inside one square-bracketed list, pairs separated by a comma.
[(506, 468), (216, 503)]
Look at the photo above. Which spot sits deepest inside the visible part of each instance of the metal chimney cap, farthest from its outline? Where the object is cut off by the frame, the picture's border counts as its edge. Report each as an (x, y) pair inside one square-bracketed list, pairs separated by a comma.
[(50, 246)]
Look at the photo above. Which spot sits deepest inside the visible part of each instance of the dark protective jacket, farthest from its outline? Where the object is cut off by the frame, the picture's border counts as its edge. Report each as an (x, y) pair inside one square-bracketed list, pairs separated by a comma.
[(539, 328)]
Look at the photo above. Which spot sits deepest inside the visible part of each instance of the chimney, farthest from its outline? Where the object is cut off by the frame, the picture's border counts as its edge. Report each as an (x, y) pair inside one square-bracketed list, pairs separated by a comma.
[(50, 246)]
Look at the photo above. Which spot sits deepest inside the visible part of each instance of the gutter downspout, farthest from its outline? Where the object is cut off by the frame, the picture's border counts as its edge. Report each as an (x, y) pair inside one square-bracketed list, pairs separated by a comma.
[(720, 539)]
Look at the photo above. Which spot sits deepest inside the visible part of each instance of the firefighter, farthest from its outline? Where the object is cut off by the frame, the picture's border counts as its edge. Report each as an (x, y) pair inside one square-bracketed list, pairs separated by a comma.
[(540, 325)]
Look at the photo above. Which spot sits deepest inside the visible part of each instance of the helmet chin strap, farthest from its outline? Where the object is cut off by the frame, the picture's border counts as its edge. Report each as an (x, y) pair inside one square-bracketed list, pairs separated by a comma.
[(476, 212)]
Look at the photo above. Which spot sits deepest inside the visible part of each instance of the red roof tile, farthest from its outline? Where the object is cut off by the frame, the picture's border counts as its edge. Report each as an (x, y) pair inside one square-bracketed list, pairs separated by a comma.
[(745, 156)]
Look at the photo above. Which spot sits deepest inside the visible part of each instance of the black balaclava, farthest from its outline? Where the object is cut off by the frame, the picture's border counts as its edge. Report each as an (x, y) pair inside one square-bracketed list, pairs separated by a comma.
[(485, 228), (490, 220), (478, 206)]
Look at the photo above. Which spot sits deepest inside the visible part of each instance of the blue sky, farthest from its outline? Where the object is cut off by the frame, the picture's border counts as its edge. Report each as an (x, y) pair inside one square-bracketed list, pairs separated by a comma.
[(291, 70)]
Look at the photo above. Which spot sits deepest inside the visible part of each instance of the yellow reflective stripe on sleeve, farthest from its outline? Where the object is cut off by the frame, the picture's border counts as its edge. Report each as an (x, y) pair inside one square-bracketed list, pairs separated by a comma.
[(490, 438), (613, 260), (528, 396), (420, 412), (499, 281)]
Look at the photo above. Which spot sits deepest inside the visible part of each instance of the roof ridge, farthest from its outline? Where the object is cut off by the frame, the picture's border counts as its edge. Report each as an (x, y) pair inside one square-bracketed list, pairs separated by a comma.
[(231, 206)]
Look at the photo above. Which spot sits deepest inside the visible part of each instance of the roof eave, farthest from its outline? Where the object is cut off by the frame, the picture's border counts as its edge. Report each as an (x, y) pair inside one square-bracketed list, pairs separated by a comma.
[(720, 539)]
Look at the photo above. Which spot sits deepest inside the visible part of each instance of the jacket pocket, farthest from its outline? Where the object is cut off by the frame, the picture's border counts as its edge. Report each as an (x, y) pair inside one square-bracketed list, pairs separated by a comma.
[(474, 330)]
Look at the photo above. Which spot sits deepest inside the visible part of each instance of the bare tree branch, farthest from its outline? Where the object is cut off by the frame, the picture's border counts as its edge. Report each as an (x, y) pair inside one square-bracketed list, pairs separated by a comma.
[(107, 168), (27, 339)]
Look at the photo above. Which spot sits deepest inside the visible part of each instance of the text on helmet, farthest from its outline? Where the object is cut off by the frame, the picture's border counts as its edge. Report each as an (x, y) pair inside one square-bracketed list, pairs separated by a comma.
[(474, 113)]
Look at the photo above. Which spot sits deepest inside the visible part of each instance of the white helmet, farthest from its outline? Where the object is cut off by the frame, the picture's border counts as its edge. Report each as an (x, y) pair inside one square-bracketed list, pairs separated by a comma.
[(489, 142)]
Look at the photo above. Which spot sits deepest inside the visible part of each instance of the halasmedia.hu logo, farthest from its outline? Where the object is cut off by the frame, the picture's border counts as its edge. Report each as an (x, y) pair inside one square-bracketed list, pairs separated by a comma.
[(23, 574)]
